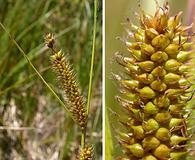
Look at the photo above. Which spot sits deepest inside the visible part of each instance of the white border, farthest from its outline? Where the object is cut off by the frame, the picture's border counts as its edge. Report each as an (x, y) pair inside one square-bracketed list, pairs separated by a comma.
[(103, 80)]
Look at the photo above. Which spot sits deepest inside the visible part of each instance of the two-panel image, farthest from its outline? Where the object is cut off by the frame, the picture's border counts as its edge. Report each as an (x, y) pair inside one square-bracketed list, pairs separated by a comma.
[(97, 80)]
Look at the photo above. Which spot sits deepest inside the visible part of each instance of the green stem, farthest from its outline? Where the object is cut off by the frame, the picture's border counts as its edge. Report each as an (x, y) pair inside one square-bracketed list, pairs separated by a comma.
[(92, 57), (30, 63), (83, 139)]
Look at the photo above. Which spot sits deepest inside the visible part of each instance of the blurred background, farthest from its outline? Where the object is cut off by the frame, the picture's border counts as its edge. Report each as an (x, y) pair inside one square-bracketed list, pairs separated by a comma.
[(33, 125), (116, 13)]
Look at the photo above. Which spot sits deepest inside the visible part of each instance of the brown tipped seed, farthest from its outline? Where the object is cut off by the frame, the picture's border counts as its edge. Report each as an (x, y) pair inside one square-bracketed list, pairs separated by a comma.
[(149, 157), (163, 117), (172, 65), (146, 78), (173, 93), (162, 101), (136, 149), (160, 41), (150, 143), (158, 85), (175, 109), (147, 66), (171, 78), (175, 140), (138, 132), (150, 125), (178, 155), (150, 33), (159, 72), (147, 93), (150, 108), (173, 22), (162, 134), (172, 49), (147, 49), (175, 122), (162, 152), (138, 55), (159, 57)]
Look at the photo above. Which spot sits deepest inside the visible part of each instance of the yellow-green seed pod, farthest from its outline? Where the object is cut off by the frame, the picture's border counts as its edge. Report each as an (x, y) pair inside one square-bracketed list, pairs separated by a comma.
[(171, 78), (162, 152), (147, 49), (159, 57), (172, 65), (147, 93), (150, 108), (158, 85), (175, 140), (163, 117), (184, 69), (150, 157), (159, 72), (151, 33), (175, 122), (138, 55), (138, 132), (146, 78), (187, 45), (175, 109), (150, 125), (130, 83), (136, 149), (172, 49), (162, 101), (178, 155), (147, 66), (183, 56), (150, 143), (180, 39), (162, 134), (160, 41)]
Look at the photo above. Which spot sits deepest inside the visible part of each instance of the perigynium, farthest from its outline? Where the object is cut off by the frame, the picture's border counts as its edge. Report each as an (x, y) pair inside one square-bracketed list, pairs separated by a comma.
[(157, 88)]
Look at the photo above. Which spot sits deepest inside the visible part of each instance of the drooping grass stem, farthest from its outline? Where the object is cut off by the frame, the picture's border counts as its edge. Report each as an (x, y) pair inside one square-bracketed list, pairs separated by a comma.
[(34, 68)]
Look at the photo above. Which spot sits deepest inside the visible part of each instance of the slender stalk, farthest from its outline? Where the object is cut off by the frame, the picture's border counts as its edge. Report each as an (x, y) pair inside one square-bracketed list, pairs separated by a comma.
[(83, 139), (92, 56), (30, 63), (91, 70)]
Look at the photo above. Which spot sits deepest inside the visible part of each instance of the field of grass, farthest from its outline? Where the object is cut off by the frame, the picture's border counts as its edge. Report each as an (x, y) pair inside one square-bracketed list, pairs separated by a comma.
[(33, 125)]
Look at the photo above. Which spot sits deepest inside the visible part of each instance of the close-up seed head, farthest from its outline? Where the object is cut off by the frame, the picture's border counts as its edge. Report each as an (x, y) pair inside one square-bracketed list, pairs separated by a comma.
[(67, 79), (158, 87), (86, 153)]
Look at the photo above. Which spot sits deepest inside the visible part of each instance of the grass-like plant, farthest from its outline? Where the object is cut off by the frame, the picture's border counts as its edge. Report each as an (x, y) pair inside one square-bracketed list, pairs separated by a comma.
[(156, 89), (51, 18)]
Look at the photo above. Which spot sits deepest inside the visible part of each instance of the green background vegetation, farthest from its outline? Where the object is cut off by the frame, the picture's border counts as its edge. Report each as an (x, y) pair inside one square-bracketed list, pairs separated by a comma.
[(32, 122)]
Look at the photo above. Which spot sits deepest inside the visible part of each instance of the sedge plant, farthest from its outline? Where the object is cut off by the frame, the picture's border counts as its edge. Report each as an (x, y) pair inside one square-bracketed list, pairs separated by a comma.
[(158, 85), (74, 100)]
